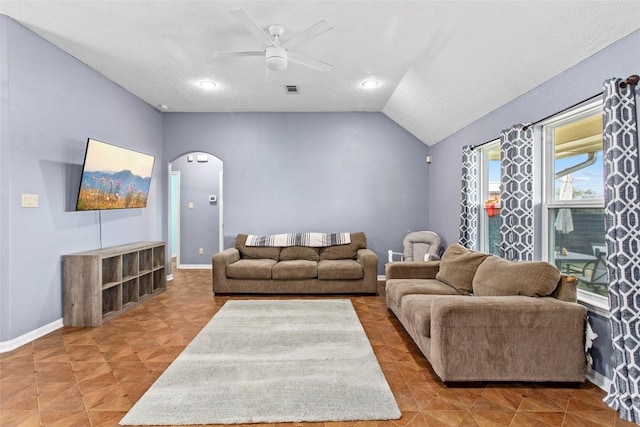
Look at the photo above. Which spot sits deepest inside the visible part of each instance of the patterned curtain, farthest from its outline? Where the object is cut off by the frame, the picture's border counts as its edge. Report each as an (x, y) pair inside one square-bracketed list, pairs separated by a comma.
[(622, 224), (516, 194), (470, 198)]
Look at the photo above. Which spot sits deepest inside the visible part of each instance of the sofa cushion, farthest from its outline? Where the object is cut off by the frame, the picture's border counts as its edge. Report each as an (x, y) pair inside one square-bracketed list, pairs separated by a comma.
[(251, 269), (396, 289), (292, 253), (499, 277), (417, 310), (350, 251), (341, 269), (256, 252), (458, 266), (295, 269)]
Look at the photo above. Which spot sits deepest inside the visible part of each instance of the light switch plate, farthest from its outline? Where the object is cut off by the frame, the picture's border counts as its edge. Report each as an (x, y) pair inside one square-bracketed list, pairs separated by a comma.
[(29, 200)]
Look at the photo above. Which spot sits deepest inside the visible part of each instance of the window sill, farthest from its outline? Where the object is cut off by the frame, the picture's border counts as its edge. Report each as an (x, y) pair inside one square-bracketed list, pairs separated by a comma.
[(595, 303)]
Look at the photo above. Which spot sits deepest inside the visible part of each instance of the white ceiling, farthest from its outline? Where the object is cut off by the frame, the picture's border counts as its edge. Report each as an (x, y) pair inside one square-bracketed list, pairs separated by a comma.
[(441, 64)]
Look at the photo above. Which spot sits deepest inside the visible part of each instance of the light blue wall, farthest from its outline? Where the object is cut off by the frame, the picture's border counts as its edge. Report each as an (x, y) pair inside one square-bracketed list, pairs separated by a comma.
[(325, 172), (51, 104), (579, 82)]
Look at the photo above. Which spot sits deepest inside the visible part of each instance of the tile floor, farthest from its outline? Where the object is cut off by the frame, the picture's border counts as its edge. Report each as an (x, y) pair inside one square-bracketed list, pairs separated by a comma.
[(92, 376)]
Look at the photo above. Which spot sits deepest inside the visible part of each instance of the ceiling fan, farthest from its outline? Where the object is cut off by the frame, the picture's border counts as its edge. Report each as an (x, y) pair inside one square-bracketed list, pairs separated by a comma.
[(277, 53)]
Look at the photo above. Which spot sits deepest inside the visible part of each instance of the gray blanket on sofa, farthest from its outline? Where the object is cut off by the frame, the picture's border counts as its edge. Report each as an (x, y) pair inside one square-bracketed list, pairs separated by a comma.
[(316, 240)]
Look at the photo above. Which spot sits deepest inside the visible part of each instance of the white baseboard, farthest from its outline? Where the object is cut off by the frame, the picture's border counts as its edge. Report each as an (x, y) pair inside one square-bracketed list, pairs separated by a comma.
[(194, 266), (381, 277), (10, 345), (600, 380), (169, 277)]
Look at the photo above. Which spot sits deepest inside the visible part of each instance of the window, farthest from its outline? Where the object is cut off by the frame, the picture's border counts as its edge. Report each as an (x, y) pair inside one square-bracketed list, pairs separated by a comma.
[(489, 217), (573, 214)]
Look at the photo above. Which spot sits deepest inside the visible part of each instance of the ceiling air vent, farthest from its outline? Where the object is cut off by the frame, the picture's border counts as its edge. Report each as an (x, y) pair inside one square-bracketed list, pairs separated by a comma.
[(291, 89)]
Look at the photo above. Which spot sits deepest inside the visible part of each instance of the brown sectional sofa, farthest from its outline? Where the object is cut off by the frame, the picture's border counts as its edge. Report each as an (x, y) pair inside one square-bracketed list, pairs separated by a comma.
[(350, 268), (478, 317)]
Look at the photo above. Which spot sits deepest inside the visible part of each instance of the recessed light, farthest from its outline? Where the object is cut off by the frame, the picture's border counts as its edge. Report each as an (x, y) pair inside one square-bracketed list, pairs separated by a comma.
[(207, 84), (370, 84)]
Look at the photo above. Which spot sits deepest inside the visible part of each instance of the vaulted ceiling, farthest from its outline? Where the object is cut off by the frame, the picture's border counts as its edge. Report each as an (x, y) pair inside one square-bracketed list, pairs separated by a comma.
[(440, 64)]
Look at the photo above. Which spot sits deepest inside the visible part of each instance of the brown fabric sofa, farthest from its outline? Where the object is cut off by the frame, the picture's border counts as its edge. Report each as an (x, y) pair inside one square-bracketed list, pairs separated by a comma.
[(478, 317), (339, 269)]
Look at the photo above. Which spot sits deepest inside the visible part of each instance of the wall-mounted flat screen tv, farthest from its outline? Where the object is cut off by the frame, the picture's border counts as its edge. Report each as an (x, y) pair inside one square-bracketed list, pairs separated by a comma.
[(114, 178)]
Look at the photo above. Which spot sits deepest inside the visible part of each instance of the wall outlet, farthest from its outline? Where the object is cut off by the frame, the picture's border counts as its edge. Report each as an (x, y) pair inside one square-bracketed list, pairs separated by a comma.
[(201, 251), (190, 205)]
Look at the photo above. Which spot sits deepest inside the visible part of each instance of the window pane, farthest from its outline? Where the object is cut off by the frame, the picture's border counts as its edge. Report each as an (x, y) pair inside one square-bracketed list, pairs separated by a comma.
[(577, 238), (491, 219), (577, 148), (493, 234)]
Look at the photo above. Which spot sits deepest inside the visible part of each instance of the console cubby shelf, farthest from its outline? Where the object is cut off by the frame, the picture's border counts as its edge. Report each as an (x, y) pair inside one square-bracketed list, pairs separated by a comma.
[(101, 284)]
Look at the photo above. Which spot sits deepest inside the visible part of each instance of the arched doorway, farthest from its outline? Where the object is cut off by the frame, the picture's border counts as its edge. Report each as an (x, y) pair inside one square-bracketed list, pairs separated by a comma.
[(195, 209)]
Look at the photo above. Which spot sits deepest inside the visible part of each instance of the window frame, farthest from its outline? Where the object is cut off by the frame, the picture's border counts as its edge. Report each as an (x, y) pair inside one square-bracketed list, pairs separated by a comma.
[(483, 180), (596, 302)]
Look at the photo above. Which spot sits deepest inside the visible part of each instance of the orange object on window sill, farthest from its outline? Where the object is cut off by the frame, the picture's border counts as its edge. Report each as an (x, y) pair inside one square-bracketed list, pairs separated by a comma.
[(492, 206), (492, 210)]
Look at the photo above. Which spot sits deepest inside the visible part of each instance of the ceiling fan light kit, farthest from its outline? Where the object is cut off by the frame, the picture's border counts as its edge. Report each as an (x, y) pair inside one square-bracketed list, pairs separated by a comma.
[(276, 58)]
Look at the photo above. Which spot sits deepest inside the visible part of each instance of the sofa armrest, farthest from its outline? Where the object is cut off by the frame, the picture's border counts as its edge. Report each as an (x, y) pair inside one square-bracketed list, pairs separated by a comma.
[(369, 261), (507, 338), (411, 270), (219, 262)]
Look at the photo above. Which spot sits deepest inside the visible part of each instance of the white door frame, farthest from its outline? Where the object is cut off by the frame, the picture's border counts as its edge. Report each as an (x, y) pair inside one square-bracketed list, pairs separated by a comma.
[(175, 220), (220, 211)]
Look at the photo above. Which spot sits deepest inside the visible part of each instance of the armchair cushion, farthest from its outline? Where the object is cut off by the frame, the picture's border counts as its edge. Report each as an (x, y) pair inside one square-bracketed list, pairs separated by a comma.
[(420, 243), (458, 267), (500, 277)]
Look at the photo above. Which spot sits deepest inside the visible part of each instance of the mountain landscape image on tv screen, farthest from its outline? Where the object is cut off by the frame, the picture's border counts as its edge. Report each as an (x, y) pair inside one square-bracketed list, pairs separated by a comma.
[(114, 178)]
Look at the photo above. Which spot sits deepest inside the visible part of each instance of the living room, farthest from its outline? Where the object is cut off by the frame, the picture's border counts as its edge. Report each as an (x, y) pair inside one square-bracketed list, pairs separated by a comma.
[(338, 171)]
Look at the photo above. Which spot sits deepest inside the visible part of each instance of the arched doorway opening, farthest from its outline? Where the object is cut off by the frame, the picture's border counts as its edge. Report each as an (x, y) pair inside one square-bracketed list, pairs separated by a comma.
[(196, 219)]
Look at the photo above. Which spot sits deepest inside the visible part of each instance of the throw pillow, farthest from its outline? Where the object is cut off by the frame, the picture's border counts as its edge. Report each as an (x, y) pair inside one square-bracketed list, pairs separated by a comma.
[(350, 251), (292, 253), (458, 267), (500, 277), (256, 252)]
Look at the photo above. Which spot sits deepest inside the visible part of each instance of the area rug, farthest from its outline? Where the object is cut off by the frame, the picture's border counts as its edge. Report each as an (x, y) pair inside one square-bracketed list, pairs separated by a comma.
[(269, 361)]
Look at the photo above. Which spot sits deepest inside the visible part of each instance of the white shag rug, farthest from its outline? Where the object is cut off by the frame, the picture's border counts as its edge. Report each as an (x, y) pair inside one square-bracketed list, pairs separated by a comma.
[(270, 361)]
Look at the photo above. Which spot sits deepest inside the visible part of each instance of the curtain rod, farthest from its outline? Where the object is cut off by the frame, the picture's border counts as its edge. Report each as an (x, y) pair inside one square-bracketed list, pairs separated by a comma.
[(631, 81)]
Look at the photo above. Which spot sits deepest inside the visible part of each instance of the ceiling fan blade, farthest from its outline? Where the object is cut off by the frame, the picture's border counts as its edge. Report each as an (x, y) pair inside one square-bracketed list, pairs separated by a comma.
[(313, 31), (239, 53), (251, 25), (308, 62)]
